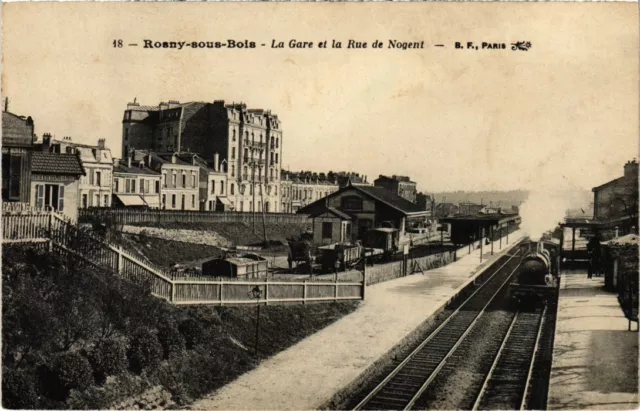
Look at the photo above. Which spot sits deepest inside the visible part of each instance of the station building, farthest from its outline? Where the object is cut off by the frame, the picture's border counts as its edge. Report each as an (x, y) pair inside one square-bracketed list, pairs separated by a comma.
[(369, 207)]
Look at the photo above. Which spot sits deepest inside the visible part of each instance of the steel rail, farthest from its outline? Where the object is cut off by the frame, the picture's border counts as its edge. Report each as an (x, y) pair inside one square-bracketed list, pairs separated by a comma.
[(408, 358), (476, 404), (435, 372), (533, 359)]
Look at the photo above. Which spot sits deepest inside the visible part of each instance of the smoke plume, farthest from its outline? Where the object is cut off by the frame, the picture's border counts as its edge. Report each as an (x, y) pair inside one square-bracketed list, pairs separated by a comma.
[(544, 209)]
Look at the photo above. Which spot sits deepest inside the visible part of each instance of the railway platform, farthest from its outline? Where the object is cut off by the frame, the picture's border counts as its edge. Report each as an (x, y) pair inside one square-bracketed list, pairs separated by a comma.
[(308, 374), (595, 357)]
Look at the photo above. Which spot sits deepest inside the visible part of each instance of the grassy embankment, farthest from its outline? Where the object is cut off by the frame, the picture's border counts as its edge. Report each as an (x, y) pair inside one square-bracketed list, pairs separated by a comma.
[(74, 337)]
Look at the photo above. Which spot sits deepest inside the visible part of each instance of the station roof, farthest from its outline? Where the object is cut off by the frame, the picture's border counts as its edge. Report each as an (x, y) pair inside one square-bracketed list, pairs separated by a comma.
[(480, 218)]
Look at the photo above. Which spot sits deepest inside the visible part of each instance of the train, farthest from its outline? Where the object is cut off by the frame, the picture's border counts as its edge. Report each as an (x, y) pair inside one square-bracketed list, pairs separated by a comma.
[(537, 278)]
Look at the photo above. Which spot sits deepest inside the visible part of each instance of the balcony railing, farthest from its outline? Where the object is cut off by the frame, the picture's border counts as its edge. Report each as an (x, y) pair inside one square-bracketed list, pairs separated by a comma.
[(257, 144)]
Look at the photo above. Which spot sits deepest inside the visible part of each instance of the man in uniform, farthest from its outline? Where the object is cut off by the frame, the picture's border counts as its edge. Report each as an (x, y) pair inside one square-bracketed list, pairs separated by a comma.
[(593, 247)]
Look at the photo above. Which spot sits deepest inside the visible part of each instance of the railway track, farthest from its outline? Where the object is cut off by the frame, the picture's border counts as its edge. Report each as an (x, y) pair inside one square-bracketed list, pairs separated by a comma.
[(507, 383), (401, 388)]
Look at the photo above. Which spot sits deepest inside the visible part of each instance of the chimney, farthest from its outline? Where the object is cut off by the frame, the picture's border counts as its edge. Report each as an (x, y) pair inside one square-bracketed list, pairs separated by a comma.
[(216, 162), (174, 158), (46, 141), (101, 143), (631, 169), (116, 162), (129, 160)]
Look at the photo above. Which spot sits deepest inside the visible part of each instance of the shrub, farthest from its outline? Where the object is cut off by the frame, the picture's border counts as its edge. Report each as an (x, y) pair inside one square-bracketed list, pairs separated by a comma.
[(145, 351), (172, 341), (108, 358), (193, 332), (19, 390), (65, 372)]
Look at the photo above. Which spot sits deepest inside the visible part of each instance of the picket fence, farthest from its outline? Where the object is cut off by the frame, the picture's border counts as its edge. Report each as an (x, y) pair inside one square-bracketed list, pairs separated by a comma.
[(132, 216), (66, 238)]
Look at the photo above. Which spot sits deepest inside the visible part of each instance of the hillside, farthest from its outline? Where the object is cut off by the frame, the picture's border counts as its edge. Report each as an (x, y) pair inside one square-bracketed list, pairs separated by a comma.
[(498, 198), (74, 337)]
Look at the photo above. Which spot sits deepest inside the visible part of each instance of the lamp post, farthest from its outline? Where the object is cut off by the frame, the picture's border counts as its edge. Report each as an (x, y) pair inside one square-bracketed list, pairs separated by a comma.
[(256, 293)]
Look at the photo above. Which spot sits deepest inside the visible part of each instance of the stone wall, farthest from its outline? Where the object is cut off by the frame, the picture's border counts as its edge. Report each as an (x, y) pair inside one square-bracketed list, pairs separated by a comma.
[(188, 236)]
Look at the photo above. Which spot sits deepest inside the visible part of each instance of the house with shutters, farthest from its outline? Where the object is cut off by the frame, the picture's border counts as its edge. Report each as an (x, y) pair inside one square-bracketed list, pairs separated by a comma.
[(180, 179), (54, 181), (135, 184), (95, 188)]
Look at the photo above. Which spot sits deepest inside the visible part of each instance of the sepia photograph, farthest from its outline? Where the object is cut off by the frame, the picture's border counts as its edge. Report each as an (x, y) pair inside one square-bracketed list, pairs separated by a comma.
[(320, 206)]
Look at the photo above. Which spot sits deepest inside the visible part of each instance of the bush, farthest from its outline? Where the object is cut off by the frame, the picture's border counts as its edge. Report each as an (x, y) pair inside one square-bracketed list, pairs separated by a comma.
[(145, 351), (67, 371), (193, 332), (172, 341), (108, 358), (19, 390)]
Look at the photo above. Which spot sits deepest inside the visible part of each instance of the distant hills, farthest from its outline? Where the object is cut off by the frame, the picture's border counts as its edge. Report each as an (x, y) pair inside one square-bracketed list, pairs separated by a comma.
[(495, 198), (579, 203)]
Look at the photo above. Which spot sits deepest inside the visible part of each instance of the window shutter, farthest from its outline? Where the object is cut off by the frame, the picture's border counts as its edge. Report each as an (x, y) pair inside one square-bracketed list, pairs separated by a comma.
[(61, 198), (39, 195)]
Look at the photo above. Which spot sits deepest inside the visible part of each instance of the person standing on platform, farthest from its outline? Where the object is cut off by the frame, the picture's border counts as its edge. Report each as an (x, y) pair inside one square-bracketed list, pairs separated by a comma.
[(593, 247)]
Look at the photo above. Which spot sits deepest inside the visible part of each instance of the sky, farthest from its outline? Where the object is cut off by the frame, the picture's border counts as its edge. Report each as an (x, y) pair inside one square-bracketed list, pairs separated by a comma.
[(562, 115)]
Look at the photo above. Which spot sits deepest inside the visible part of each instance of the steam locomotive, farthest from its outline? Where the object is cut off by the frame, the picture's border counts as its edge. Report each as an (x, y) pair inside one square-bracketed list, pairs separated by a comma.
[(537, 277)]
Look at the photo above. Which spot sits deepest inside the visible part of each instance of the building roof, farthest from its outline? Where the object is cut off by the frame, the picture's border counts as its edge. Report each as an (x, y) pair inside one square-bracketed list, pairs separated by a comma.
[(391, 199), (124, 168), (17, 131), (56, 163), (333, 211), (377, 193), (481, 217)]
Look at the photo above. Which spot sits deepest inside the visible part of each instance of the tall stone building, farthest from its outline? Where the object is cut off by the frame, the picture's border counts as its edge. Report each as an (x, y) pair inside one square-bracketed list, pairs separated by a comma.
[(248, 143), (400, 185)]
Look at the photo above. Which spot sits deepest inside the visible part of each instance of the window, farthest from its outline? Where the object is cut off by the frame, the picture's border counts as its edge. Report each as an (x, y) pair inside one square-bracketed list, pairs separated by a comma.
[(164, 201), (276, 158), (326, 230), (213, 187), (352, 203), (182, 203), (133, 186), (173, 179), (241, 206), (98, 179), (232, 189), (184, 180), (193, 180), (233, 153), (233, 171), (127, 188), (116, 184), (157, 190), (277, 142), (222, 187), (234, 134), (164, 180), (193, 201), (275, 188), (173, 201)]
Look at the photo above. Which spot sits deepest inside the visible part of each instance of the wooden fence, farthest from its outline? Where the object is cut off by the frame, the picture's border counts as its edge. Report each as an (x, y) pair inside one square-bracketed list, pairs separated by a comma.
[(131, 216), (66, 238)]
